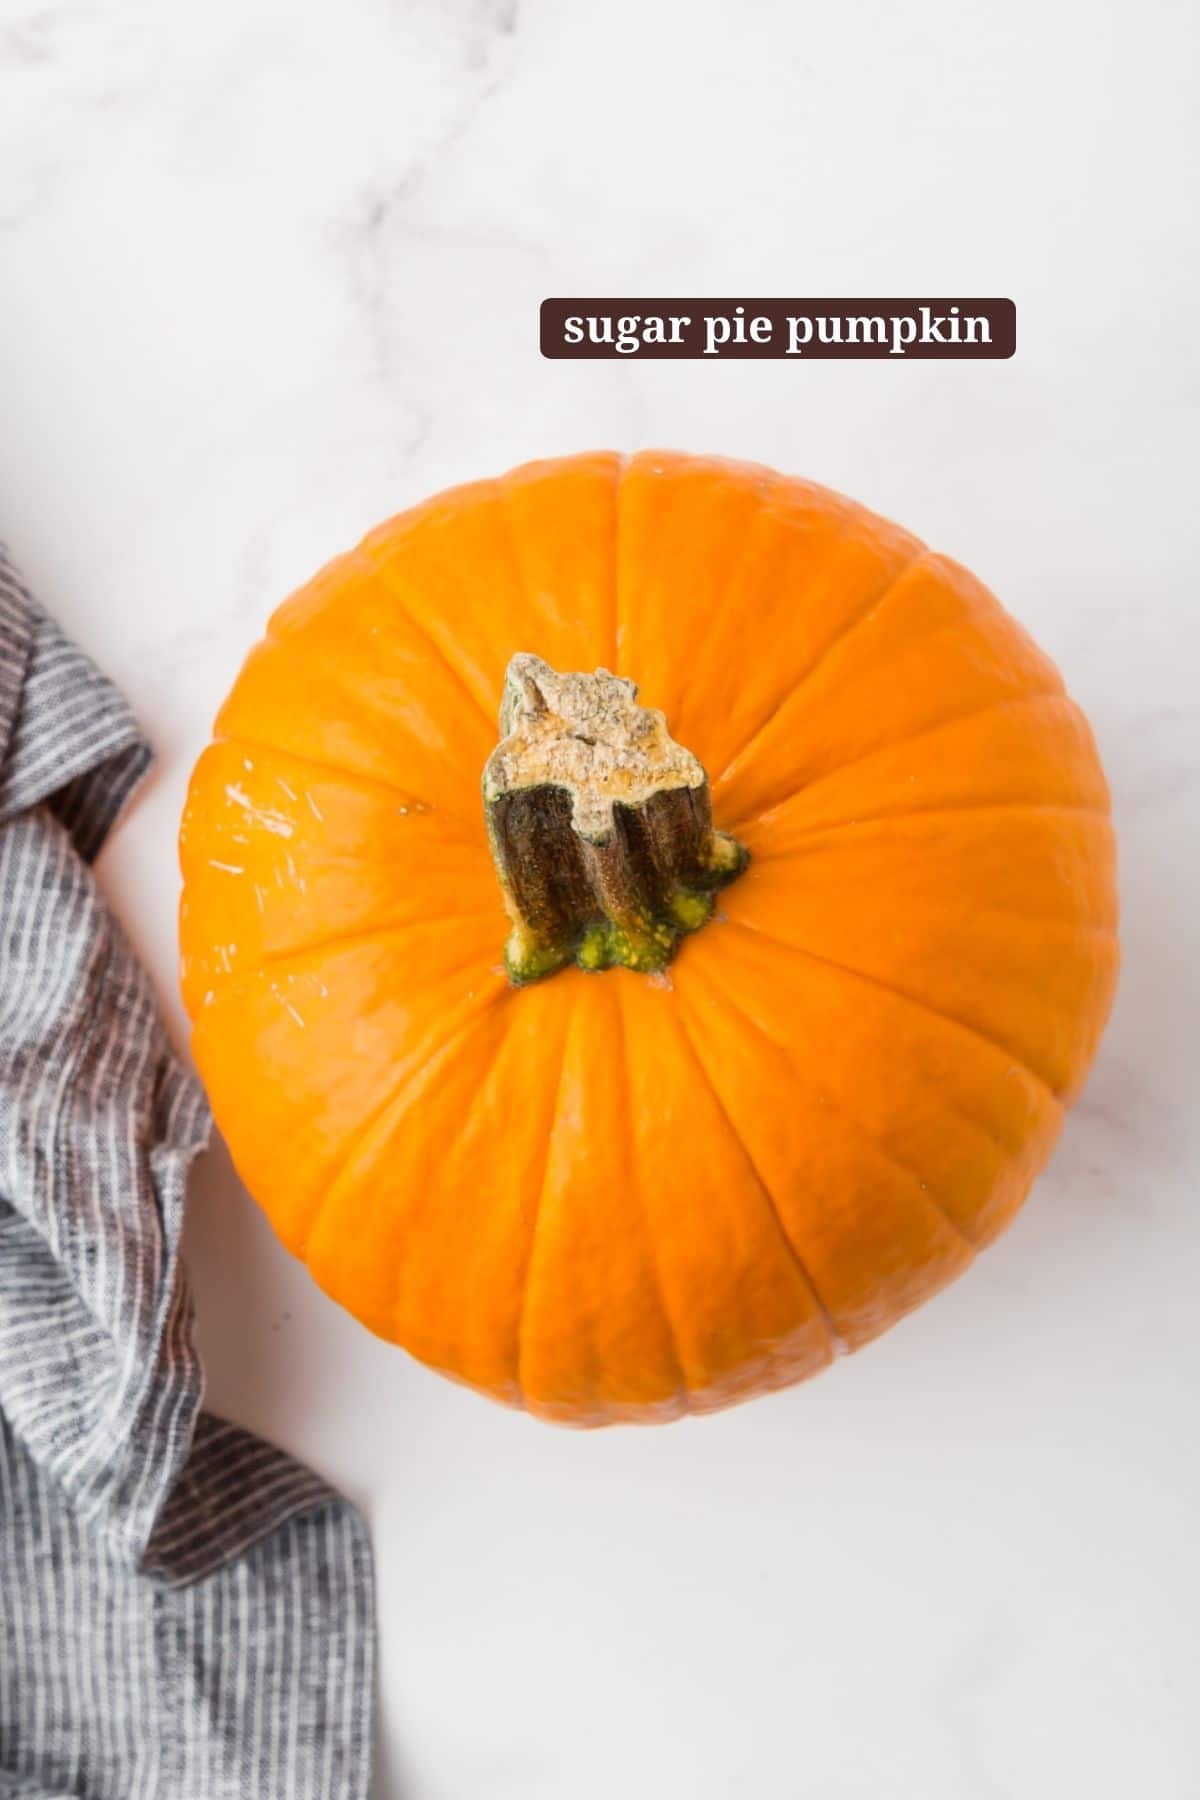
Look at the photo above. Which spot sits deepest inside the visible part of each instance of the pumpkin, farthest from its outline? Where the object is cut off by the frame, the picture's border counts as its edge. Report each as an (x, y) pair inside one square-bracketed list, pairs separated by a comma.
[(737, 1011)]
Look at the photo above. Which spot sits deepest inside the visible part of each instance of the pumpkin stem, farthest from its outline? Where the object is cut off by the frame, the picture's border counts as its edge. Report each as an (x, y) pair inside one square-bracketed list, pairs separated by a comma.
[(600, 826)]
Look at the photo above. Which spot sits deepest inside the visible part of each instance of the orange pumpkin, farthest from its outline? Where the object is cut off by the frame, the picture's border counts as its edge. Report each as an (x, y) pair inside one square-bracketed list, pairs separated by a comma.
[(867, 962)]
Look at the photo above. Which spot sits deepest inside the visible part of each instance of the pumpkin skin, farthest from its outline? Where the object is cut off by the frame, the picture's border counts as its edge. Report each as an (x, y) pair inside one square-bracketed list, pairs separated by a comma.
[(610, 1197)]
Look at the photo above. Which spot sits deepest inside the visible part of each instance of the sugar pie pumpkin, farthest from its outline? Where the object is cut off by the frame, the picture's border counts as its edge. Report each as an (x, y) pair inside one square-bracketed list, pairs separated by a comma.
[(644, 920)]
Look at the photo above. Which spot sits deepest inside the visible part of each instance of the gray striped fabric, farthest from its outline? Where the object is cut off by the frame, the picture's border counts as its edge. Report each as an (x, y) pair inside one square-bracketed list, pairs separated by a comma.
[(184, 1611)]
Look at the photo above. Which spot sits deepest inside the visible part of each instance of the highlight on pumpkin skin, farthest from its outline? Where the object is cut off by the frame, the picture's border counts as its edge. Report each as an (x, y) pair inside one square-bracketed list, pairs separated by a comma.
[(600, 827)]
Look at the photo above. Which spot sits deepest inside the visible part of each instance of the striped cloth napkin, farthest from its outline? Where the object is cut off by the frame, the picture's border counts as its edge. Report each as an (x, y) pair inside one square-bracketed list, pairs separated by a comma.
[(184, 1611)]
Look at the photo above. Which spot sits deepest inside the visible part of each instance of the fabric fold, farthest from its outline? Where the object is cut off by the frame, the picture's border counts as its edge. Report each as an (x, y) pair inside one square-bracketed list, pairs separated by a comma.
[(184, 1610)]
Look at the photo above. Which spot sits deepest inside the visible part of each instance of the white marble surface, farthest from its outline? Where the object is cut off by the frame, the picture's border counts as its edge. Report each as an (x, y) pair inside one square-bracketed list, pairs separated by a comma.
[(270, 272)]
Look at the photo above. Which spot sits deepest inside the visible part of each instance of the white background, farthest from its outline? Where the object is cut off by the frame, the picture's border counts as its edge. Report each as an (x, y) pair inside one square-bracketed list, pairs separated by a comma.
[(270, 273)]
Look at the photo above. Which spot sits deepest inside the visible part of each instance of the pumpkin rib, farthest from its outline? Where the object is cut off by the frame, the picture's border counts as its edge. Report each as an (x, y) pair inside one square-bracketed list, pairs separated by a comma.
[(421, 630), (362, 1132), (342, 772), (620, 1088), (520, 1345), (516, 556), (835, 642), (932, 812), (772, 486), (809, 845), (226, 978), (620, 529), (415, 1232), (783, 485), (295, 1216), (342, 940), (771, 483), (946, 723), (837, 1345), (1007, 1149), (505, 487), (909, 999), (617, 537), (643, 575), (928, 1195)]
